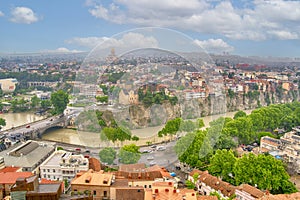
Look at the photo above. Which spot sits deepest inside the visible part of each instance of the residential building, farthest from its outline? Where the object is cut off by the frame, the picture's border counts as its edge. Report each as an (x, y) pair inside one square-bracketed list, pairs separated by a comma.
[(8, 179), (248, 192), (139, 175), (269, 144), (30, 189), (207, 184), (98, 183), (62, 165)]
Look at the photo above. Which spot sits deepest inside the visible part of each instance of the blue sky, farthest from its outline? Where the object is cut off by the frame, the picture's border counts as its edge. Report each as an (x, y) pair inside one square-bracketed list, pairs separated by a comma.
[(241, 27)]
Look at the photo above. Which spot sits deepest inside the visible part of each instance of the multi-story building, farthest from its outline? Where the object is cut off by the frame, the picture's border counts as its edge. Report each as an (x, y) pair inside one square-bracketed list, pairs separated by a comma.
[(62, 165), (95, 183)]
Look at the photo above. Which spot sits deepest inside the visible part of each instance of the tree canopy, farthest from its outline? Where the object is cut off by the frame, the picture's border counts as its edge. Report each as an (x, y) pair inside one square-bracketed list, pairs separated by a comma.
[(107, 155), (59, 100), (129, 154), (263, 171)]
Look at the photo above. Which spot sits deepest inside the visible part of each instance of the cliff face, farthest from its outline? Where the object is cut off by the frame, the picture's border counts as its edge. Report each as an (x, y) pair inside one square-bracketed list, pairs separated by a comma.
[(140, 116), (246, 102)]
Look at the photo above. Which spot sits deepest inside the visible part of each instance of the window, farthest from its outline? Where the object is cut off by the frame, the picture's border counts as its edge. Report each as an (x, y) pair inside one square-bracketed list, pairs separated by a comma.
[(95, 192), (105, 193), (48, 176), (44, 170), (48, 170), (149, 186), (53, 170), (45, 175), (145, 186)]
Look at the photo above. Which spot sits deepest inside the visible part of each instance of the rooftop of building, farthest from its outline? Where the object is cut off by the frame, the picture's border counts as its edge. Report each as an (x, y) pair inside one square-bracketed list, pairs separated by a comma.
[(253, 191), (225, 188), (11, 177), (93, 178), (58, 157), (10, 169), (33, 157), (294, 196), (46, 188)]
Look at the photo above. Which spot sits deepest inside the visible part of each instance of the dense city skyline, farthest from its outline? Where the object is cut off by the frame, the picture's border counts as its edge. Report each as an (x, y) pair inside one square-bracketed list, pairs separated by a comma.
[(261, 28)]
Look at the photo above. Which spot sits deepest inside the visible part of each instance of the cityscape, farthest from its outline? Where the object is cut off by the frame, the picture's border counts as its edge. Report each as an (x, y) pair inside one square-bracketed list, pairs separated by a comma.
[(160, 110)]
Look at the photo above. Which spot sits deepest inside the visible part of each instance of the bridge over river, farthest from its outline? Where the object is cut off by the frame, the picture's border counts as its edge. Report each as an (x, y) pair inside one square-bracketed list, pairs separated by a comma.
[(36, 129)]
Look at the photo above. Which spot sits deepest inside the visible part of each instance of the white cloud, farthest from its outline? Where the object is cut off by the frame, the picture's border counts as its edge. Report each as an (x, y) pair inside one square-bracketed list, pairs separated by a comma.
[(249, 20), (127, 41), (89, 42), (23, 15), (214, 45), (61, 50), (1, 14)]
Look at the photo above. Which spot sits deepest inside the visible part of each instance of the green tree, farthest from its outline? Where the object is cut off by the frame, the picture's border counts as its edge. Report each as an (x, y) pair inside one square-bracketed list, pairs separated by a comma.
[(2, 122), (129, 154), (59, 100), (107, 155), (171, 127), (45, 104), (102, 99), (35, 101), (239, 114), (221, 164), (263, 171)]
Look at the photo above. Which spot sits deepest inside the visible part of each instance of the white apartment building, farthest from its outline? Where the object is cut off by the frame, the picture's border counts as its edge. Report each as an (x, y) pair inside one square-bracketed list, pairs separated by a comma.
[(63, 165)]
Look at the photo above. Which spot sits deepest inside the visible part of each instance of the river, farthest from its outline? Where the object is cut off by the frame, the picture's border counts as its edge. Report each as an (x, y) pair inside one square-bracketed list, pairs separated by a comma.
[(18, 119), (93, 139)]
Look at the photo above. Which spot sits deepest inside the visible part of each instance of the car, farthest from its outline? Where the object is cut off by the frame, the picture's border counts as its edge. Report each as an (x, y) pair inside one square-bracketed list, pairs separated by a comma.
[(150, 158), (153, 146), (28, 126), (146, 151), (87, 151), (51, 119), (152, 163), (160, 148), (77, 149), (87, 156)]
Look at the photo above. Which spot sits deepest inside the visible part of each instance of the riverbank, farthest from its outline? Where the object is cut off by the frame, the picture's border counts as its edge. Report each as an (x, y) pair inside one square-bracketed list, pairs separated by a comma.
[(93, 140)]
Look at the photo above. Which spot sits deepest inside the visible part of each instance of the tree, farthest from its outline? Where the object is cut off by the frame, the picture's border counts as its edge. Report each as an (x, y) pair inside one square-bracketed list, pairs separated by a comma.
[(129, 154), (263, 171), (35, 101), (59, 100), (102, 99), (239, 114), (135, 138), (2, 122), (171, 127), (45, 104), (107, 155), (221, 164)]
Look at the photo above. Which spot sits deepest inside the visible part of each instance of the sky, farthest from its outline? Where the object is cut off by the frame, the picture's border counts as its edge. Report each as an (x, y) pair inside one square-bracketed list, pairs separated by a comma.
[(238, 27)]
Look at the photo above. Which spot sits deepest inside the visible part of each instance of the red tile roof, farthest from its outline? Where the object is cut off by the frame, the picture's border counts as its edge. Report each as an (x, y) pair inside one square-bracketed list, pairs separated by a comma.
[(251, 190), (10, 169), (11, 177)]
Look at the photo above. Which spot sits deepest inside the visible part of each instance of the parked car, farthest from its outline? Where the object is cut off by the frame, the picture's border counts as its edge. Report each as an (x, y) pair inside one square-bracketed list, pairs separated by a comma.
[(150, 158), (152, 163), (160, 148), (147, 151), (28, 126)]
